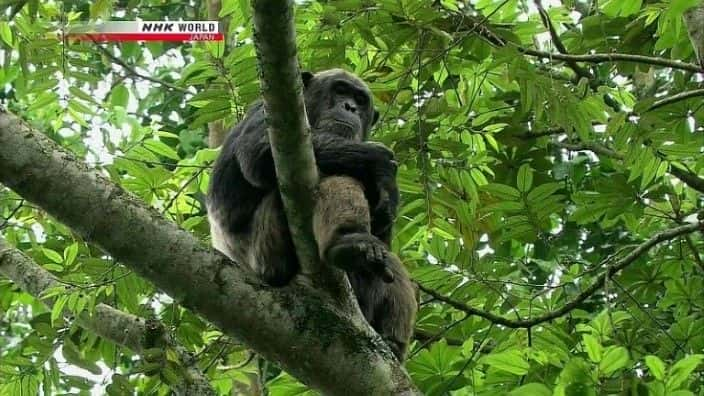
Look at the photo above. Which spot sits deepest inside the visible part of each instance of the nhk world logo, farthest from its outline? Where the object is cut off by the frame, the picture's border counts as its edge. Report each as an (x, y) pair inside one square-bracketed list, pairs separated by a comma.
[(147, 31)]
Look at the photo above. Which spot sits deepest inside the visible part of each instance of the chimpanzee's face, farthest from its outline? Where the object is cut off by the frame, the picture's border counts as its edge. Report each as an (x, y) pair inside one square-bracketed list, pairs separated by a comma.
[(340, 103)]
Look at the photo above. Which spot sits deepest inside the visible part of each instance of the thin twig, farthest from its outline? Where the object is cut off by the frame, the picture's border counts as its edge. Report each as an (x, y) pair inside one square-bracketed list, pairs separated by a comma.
[(676, 98), (649, 315), (472, 25), (581, 297), (12, 214), (695, 252), (547, 132), (588, 146), (434, 337), (132, 71), (557, 42), (181, 190), (687, 177), (614, 57), (167, 164)]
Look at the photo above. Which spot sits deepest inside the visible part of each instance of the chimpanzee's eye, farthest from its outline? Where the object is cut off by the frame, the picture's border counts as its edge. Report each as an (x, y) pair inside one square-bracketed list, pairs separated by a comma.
[(340, 88), (361, 99)]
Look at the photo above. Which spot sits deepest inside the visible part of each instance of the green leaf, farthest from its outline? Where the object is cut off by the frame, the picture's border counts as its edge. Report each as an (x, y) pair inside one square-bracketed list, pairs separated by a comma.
[(79, 93), (525, 178), (538, 194), (119, 386), (656, 366), (228, 7), (79, 107), (58, 309), (649, 171), (681, 370), (43, 100), (52, 291), (54, 267), (502, 191), (615, 358), (507, 206), (74, 356), (593, 347), (206, 117), (100, 9), (53, 255), (120, 95), (161, 148), (532, 389), (511, 361), (681, 392), (622, 8), (478, 177), (70, 254), (6, 33), (681, 150)]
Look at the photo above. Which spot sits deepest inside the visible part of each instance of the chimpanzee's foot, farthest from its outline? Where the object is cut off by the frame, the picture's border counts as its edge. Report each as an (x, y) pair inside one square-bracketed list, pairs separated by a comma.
[(361, 252)]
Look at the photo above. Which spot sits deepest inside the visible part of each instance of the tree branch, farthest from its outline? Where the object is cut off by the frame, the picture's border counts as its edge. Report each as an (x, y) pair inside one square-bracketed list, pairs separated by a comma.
[(688, 178), (133, 72), (538, 134), (471, 24), (217, 130), (692, 180), (593, 147), (614, 57), (122, 328), (545, 18), (289, 132), (676, 98), (298, 327), (586, 293)]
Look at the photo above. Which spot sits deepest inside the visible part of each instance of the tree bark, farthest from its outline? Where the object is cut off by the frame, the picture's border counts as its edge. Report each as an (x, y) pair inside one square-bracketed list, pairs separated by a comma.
[(289, 132), (298, 326), (217, 130)]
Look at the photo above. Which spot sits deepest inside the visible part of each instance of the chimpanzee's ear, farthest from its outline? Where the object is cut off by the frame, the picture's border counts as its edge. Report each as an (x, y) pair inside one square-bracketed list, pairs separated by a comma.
[(307, 78), (376, 117)]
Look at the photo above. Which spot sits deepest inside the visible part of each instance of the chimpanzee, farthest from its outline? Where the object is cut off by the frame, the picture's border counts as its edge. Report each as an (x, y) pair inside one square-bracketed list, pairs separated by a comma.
[(354, 210)]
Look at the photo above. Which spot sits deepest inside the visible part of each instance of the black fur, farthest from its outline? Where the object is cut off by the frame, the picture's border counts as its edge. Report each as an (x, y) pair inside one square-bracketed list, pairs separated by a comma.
[(248, 223)]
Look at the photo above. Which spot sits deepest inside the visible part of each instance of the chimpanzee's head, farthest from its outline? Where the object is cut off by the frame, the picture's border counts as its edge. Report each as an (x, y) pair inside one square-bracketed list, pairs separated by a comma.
[(339, 102)]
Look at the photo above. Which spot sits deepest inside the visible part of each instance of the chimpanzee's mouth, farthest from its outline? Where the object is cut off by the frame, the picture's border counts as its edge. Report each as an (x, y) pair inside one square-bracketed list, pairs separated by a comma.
[(345, 123), (342, 128)]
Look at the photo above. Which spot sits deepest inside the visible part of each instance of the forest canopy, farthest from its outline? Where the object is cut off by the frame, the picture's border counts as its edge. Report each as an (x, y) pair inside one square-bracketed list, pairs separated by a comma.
[(550, 164)]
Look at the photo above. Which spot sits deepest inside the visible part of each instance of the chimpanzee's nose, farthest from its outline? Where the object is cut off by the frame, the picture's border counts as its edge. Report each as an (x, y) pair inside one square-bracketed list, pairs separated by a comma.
[(350, 107)]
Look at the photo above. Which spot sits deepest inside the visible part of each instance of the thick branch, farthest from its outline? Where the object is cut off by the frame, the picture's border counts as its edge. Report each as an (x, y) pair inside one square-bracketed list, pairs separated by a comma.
[(586, 293), (122, 328), (297, 326), (688, 178), (289, 132)]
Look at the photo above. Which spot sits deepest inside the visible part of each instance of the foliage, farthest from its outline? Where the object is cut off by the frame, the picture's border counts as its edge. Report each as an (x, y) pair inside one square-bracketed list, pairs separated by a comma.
[(524, 177)]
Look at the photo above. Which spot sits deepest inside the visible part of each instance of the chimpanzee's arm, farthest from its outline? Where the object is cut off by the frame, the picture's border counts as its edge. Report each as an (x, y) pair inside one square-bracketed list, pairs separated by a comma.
[(369, 163), (372, 164)]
